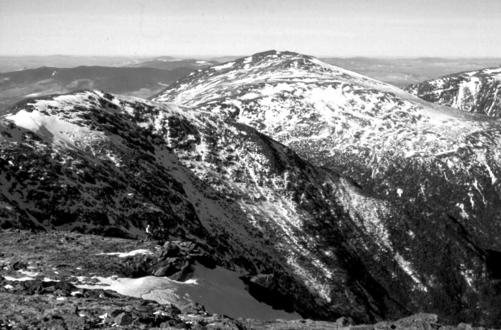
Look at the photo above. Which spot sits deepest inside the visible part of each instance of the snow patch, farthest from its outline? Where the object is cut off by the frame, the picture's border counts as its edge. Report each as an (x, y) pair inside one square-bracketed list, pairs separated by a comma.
[(52, 128), (24, 278), (467, 92), (463, 212), (492, 71), (219, 290), (407, 268), (468, 275), (127, 254), (28, 273), (223, 66)]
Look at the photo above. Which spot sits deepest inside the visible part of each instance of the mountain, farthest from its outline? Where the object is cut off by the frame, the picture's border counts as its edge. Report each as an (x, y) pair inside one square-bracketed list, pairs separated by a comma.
[(435, 168), (302, 236), (474, 91), (168, 63), (17, 85), (24, 62), (402, 72), (325, 192)]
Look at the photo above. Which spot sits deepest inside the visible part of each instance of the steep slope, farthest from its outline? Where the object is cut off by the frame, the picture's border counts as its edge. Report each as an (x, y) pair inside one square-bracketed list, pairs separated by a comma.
[(303, 237), (475, 91), (437, 168), (66, 164)]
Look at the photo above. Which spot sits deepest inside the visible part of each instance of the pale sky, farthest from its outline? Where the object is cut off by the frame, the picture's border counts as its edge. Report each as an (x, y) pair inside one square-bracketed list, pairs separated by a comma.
[(408, 28)]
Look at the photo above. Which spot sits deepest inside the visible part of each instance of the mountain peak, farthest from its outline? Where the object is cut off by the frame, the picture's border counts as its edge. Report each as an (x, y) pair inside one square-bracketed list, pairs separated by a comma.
[(266, 68), (281, 54), (272, 59), (276, 59)]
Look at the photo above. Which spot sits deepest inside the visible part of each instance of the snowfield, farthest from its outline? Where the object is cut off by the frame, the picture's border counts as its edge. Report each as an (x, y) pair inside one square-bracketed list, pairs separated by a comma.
[(218, 290)]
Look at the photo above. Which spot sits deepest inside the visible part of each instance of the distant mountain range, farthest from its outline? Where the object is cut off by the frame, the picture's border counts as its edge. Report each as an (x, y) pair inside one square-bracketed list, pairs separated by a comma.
[(402, 72), (135, 81), (169, 64), (32, 75)]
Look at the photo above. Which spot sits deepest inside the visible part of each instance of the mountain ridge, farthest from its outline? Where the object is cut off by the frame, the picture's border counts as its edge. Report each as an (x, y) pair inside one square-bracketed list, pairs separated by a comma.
[(377, 135), (469, 91), (248, 212)]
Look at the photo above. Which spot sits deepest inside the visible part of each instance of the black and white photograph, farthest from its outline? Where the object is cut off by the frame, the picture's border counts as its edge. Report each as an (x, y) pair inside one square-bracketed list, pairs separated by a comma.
[(250, 164)]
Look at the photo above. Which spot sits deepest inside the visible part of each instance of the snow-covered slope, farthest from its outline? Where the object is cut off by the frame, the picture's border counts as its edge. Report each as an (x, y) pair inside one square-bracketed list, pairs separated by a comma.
[(475, 91), (68, 165), (436, 168), (304, 237), (373, 132)]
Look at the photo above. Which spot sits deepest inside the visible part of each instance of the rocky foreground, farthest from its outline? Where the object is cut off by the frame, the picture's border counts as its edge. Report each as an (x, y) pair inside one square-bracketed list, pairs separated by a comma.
[(41, 275)]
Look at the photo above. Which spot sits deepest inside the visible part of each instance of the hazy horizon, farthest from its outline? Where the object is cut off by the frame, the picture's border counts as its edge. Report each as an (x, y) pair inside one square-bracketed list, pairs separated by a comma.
[(212, 28), (209, 56)]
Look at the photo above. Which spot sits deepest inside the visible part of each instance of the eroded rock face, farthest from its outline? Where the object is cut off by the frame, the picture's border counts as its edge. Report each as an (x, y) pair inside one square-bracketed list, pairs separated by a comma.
[(433, 171), (475, 91)]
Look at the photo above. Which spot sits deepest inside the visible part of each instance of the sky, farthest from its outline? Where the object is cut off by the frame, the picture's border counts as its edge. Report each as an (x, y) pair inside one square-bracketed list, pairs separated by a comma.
[(384, 28)]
